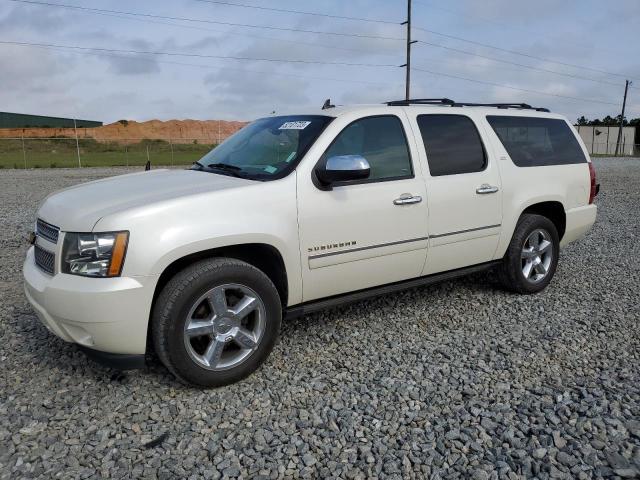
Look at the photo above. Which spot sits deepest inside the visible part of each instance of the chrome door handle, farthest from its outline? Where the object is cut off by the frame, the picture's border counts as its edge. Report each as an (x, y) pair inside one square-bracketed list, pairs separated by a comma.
[(486, 188), (407, 198)]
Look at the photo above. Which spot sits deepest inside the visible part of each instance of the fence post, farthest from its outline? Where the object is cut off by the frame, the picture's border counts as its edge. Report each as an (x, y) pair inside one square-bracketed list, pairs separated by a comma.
[(24, 153), (148, 159), (126, 154), (77, 144), (171, 145)]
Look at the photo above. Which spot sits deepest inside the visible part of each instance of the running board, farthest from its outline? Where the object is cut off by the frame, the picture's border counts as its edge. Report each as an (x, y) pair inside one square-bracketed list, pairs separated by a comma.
[(339, 300)]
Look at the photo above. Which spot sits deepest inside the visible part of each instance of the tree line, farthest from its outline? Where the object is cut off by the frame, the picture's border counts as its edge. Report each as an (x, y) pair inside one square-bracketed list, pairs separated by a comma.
[(609, 121)]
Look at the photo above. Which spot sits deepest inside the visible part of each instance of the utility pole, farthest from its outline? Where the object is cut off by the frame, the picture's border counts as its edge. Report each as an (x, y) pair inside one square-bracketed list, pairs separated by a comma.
[(624, 104), (407, 94)]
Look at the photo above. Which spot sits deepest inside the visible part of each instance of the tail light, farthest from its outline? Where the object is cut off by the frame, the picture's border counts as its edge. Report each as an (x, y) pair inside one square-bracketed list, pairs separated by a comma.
[(594, 186)]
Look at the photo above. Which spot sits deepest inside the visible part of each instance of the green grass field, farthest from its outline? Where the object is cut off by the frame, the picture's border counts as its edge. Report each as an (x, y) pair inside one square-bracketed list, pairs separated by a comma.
[(62, 153)]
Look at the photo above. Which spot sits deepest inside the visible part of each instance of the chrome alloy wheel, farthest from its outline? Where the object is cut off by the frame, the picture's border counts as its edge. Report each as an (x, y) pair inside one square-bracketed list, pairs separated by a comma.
[(224, 326), (537, 254)]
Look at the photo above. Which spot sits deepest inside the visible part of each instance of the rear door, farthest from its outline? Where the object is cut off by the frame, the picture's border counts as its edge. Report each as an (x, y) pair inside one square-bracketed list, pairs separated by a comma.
[(463, 191)]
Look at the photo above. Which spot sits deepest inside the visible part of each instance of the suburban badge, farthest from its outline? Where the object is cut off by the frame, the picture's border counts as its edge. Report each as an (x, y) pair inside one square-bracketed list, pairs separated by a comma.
[(330, 246)]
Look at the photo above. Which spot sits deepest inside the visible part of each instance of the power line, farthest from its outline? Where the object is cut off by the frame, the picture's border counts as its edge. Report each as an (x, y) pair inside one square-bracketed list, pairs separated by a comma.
[(464, 13), (197, 65), (199, 20), (514, 52), (147, 16), (299, 12), (141, 52), (531, 67), (243, 34), (196, 55), (513, 26), (512, 88), (299, 61)]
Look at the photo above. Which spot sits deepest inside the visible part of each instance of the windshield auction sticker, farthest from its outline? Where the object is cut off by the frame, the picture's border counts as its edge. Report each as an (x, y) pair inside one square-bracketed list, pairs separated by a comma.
[(294, 125)]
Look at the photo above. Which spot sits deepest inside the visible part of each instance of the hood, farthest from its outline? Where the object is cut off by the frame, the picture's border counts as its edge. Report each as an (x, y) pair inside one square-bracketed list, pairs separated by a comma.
[(78, 209)]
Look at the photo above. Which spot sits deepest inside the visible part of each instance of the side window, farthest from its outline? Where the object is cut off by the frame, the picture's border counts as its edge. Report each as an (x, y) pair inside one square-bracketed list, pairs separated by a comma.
[(452, 143), (534, 141), (381, 140)]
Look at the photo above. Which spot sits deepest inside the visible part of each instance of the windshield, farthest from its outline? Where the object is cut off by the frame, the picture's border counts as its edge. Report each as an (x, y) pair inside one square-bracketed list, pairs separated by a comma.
[(266, 149)]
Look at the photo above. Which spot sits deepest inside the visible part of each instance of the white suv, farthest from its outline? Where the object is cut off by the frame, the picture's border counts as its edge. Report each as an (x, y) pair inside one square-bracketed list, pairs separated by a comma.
[(298, 213)]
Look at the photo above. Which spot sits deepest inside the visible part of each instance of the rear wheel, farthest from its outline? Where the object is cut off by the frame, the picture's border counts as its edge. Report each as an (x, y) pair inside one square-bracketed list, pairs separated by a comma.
[(216, 321), (532, 256)]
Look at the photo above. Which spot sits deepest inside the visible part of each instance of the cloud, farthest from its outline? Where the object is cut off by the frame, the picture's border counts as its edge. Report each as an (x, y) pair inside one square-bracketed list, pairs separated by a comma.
[(23, 18), (132, 64), (257, 94), (26, 67), (522, 12), (110, 86)]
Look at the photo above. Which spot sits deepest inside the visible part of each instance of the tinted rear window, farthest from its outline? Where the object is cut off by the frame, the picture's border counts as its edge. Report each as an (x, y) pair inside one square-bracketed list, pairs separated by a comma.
[(533, 142), (452, 144)]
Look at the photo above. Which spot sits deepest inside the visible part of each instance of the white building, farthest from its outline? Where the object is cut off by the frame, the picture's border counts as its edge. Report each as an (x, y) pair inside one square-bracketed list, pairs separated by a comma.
[(602, 140)]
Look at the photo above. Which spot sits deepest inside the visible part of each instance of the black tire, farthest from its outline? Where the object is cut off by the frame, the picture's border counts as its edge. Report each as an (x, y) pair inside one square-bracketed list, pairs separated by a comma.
[(178, 297), (511, 271)]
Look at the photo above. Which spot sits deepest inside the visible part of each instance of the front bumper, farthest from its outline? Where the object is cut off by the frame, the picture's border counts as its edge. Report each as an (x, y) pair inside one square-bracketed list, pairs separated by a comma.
[(108, 315), (119, 361)]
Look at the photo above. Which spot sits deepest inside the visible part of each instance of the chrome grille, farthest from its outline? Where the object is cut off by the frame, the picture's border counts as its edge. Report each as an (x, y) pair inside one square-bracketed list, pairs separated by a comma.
[(47, 231), (45, 259)]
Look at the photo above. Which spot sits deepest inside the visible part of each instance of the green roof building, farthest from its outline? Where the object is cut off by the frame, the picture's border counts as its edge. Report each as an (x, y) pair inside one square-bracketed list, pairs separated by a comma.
[(21, 120)]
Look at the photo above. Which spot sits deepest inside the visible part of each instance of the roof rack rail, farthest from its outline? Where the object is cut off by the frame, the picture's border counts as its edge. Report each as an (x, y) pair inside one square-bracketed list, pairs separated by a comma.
[(452, 103), (522, 106), (421, 101)]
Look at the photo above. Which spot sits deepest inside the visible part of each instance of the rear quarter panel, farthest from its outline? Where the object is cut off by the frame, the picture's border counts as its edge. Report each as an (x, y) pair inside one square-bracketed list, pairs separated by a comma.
[(526, 186)]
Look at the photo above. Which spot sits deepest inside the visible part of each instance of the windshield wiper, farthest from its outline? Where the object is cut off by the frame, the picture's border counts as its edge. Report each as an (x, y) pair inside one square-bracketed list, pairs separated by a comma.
[(224, 166), (231, 170)]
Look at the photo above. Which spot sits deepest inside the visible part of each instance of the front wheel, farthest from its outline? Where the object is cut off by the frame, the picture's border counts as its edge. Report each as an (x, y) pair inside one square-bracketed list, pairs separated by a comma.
[(532, 256), (216, 321)]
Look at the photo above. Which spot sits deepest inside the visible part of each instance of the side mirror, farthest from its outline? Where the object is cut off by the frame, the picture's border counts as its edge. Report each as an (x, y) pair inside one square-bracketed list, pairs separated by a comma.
[(343, 168)]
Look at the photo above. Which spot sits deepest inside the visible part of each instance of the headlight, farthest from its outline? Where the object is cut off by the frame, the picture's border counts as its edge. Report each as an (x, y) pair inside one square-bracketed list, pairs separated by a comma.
[(94, 254)]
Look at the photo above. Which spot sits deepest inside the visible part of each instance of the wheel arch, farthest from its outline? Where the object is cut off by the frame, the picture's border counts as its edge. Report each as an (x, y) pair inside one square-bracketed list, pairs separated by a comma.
[(264, 257), (551, 207), (553, 210)]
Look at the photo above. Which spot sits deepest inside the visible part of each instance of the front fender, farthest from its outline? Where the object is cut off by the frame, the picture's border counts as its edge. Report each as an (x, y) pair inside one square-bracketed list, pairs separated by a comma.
[(263, 213), (198, 246)]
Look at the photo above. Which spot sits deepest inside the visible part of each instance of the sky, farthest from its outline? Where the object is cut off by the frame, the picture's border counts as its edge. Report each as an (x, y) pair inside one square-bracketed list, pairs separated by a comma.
[(466, 50)]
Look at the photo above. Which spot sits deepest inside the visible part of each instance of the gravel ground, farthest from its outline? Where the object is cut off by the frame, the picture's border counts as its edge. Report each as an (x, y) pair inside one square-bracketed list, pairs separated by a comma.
[(458, 380)]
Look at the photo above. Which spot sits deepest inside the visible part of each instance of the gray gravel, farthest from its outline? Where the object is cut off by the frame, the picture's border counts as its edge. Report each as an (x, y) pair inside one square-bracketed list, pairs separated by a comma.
[(458, 380)]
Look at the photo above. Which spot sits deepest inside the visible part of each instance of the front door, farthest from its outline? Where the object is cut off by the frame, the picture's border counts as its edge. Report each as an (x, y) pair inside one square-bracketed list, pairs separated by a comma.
[(364, 233), (464, 192)]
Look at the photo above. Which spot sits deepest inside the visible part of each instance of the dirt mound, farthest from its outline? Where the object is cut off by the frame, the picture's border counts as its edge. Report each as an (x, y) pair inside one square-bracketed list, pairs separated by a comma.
[(177, 131)]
